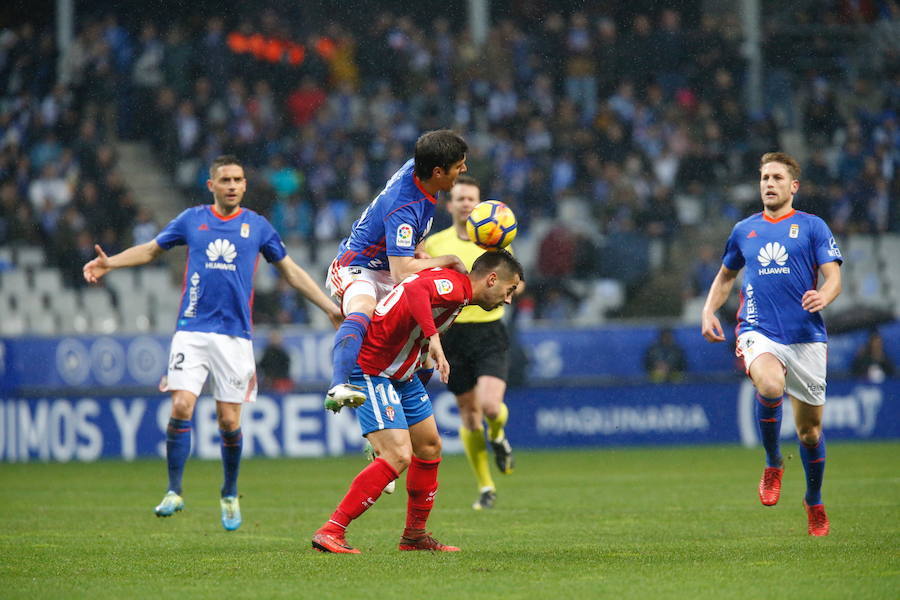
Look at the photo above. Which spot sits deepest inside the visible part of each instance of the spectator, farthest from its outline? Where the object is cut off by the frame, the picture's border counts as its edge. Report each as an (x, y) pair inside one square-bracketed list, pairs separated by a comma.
[(664, 360), (703, 271), (274, 367), (871, 362)]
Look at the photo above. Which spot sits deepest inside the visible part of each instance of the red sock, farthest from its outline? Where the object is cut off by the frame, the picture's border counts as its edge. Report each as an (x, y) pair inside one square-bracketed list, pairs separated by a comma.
[(364, 491), (421, 486)]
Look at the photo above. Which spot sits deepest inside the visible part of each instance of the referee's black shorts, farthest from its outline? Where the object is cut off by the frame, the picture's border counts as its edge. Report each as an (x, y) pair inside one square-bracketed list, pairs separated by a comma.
[(473, 350)]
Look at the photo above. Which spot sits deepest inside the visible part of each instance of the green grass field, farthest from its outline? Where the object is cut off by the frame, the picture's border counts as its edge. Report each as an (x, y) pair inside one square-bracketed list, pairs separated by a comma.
[(642, 523)]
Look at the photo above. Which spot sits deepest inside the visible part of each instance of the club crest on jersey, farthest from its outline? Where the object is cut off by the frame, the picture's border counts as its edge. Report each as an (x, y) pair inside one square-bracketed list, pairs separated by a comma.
[(443, 286), (795, 231), (245, 230), (389, 412), (405, 236)]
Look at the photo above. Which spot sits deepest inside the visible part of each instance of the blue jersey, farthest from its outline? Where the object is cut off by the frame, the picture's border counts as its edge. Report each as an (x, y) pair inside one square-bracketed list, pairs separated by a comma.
[(392, 225), (782, 257), (222, 255)]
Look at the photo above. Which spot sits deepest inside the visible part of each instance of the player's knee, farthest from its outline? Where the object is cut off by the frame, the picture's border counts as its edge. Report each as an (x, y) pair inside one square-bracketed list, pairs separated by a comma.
[(399, 458), (182, 408), (492, 409), (229, 423), (430, 449), (770, 387), (809, 434)]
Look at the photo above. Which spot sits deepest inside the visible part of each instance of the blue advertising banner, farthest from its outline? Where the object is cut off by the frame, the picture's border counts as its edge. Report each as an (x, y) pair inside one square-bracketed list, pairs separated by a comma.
[(87, 428), (98, 362)]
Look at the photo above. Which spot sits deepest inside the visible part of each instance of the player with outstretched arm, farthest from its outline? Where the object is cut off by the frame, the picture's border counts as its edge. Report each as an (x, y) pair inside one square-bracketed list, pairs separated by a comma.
[(213, 330), (396, 416), (780, 334)]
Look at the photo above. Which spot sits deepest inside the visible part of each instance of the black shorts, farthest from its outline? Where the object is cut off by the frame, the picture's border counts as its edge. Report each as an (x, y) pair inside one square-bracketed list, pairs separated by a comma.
[(473, 350)]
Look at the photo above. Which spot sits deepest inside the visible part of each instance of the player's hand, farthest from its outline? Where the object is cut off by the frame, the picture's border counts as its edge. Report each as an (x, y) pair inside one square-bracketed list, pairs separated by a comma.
[(421, 255), (457, 264), (335, 316), (436, 354), (712, 329), (97, 268), (812, 301)]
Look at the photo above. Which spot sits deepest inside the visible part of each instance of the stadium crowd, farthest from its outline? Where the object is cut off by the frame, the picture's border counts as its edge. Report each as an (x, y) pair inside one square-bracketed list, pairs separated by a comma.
[(641, 121)]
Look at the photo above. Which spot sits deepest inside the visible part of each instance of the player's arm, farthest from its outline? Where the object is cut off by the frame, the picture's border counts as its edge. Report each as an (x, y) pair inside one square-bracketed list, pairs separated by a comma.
[(418, 301), (300, 280), (816, 300), (718, 294), (421, 251), (404, 266), (132, 257)]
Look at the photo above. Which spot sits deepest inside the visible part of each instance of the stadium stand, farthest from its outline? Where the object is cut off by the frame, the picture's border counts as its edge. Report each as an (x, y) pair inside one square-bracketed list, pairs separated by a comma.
[(624, 158)]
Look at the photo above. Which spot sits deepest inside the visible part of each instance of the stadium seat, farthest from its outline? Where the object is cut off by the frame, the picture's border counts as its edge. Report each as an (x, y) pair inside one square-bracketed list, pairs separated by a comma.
[(15, 281), (44, 323), (30, 256), (691, 312), (121, 281), (300, 254), (155, 280), (105, 323), (96, 302), (47, 280), (13, 324), (860, 249), (64, 303), (134, 312), (889, 246), (266, 277), (162, 320)]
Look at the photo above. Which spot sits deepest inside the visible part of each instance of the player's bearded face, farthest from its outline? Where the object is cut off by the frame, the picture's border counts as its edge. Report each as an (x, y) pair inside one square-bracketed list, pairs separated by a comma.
[(776, 186), (498, 291), (228, 186)]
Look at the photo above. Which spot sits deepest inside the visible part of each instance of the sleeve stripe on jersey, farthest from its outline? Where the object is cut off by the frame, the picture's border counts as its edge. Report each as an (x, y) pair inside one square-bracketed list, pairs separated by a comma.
[(403, 206)]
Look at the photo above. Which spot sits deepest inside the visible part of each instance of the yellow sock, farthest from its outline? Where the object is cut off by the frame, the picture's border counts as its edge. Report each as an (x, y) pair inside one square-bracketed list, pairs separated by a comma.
[(495, 426), (476, 451)]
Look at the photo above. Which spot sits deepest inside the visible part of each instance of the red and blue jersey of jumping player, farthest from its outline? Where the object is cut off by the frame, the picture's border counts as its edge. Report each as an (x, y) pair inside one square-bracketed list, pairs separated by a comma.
[(421, 305), (392, 225), (222, 256), (782, 257)]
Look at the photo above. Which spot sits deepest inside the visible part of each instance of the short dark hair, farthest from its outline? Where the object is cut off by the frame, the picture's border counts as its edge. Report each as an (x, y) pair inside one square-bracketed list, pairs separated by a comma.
[(221, 161), (440, 148), (464, 179), (787, 160), (496, 260)]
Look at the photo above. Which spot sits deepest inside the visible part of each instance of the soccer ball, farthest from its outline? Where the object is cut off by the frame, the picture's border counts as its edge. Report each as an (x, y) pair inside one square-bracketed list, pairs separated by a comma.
[(491, 225)]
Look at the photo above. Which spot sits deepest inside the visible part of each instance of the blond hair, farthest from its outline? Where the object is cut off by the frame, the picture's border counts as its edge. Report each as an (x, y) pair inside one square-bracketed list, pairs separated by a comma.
[(787, 160)]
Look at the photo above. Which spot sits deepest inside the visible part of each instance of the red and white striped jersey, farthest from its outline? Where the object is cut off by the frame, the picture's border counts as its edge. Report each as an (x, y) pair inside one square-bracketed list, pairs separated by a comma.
[(420, 306)]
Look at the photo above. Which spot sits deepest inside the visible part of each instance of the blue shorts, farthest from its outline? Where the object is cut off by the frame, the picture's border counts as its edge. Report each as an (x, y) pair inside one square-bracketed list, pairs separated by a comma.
[(390, 404)]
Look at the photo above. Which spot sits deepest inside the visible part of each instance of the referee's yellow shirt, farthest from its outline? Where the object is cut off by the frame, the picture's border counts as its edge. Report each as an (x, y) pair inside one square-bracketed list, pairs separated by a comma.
[(447, 242)]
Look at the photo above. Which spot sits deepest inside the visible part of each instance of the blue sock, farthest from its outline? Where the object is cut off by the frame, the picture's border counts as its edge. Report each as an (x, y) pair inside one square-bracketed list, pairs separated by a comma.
[(347, 342), (232, 444), (768, 422), (178, 447), (814, 464)]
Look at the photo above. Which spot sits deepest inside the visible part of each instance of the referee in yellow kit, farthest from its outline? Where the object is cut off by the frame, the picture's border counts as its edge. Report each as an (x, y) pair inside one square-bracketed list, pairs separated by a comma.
[(477, 348)]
